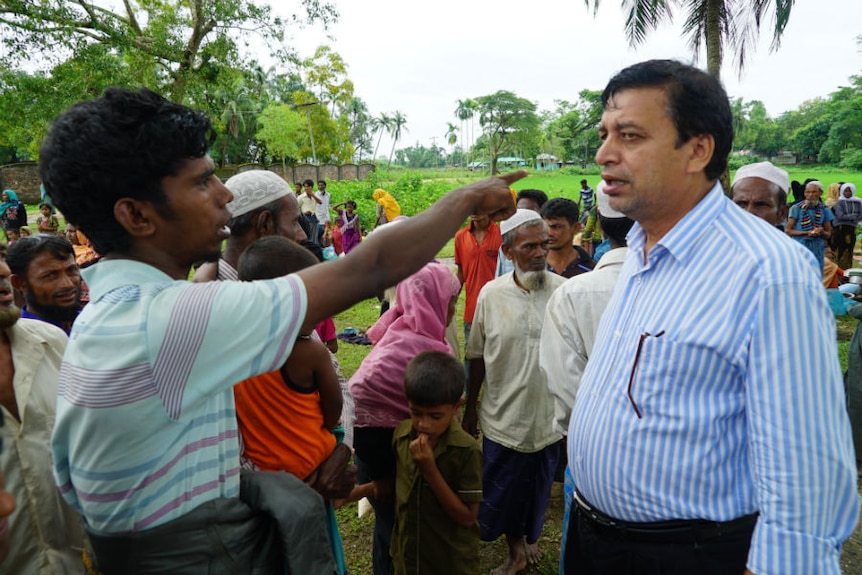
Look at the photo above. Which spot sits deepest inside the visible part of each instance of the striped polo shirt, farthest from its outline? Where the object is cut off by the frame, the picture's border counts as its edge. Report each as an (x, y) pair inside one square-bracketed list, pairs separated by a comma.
[(146, 427)]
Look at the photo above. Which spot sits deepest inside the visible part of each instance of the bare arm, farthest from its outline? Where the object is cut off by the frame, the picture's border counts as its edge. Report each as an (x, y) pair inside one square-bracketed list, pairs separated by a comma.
[(373, 266), (462, 513), (477, 376), (327, 385), (788, 228)]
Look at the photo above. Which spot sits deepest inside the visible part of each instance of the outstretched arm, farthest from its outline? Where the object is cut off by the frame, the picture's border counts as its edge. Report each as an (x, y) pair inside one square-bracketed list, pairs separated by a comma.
[(374, 265)]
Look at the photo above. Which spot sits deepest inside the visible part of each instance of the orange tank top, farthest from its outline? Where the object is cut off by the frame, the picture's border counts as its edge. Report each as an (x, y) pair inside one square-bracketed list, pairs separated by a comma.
[(281, 426)]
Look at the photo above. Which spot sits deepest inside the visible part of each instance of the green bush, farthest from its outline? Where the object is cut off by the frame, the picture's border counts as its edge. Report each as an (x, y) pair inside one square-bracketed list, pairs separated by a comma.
[(851, 159), (735, 162)]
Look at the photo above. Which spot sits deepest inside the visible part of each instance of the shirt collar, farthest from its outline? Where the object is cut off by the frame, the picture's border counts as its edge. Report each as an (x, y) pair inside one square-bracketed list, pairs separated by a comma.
[(108, 275), (612, 257), (681, 240), (450, 437)]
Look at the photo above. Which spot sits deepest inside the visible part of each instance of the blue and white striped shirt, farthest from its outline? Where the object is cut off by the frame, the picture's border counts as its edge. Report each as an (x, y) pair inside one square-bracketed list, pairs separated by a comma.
[(146, 426), (741, 394)]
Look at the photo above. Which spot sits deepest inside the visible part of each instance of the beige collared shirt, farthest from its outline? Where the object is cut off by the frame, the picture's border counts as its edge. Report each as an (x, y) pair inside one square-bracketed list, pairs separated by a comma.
[(516, 409), (44, 532)]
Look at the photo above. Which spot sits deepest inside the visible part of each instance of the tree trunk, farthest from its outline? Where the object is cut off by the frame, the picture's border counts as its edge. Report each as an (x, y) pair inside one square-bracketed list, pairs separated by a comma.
[(713, 63)]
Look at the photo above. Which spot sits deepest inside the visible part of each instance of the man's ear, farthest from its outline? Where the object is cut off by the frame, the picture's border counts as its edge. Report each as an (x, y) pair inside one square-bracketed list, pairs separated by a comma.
[(507, 251), (136, 216), (264, 224), (703, 147), (18, 283)]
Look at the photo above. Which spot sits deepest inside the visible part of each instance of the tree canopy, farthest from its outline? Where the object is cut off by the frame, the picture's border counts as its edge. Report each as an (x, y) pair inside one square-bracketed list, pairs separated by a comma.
[(504, 118)]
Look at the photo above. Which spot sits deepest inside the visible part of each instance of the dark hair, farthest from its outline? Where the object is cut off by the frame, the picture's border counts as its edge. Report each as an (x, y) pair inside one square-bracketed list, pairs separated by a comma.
[(350, 203), (434, 378), (537, 196), (121, 145), (616, 229), (561, 208), (45, 205), (697, 103), (308, 182), (23, 251), (583, 181), (240, 225), (272, 257), (321, 182)]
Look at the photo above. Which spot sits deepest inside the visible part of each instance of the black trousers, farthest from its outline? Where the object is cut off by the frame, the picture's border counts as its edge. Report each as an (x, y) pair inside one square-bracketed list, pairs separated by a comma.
[(592, 553)]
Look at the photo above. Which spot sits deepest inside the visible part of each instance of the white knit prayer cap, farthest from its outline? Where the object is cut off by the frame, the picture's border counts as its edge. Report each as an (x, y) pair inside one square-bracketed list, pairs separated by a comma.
[(605, 208), (521, 217), (253, 189), (766, 171)]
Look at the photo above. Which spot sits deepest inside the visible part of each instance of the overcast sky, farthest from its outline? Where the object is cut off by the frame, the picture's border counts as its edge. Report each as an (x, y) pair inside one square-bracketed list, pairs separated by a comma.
[(421, 57)]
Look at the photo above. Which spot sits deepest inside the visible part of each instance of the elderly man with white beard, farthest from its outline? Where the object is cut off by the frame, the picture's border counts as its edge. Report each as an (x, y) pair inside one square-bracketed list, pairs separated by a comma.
[(520, 445)]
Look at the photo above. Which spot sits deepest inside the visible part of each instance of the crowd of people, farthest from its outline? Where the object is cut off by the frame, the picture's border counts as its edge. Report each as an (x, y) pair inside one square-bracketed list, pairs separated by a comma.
[(697, 418)]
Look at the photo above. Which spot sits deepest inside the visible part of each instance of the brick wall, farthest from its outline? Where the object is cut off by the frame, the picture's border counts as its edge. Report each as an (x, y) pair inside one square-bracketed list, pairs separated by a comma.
[(24, 177)]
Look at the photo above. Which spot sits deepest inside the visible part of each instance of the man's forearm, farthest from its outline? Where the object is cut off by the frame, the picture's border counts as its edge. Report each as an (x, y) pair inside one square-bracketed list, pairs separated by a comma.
[(395, 252)]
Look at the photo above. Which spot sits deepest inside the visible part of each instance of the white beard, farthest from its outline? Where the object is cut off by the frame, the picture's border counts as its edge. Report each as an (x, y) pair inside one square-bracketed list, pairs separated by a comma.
[(531, 281)]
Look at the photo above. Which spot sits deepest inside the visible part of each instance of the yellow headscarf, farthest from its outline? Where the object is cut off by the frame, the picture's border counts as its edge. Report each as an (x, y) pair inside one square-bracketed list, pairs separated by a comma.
[(390, 206)]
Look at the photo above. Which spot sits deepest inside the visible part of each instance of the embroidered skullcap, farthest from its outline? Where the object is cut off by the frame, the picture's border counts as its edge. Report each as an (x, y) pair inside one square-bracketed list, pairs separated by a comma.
[(520, 218), (765, 171), (847, 186), (605, 208), (254, 189)]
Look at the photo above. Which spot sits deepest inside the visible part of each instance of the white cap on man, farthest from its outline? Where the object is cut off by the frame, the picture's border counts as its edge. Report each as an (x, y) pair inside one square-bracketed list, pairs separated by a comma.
[(605, 209), (253, 189), (520, 218), (765, 171)]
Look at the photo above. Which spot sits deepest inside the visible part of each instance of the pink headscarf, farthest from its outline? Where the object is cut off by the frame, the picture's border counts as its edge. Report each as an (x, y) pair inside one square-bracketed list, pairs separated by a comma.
[(417, 323)]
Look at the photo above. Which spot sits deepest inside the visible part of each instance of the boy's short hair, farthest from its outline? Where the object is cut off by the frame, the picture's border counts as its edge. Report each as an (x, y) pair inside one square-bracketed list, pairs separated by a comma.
[(434, 378), (272, 257)]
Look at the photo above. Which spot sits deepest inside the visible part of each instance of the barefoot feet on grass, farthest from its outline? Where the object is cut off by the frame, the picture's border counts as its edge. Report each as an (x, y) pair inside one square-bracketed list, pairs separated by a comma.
[(517, 560), (533, 553), (510, 568)]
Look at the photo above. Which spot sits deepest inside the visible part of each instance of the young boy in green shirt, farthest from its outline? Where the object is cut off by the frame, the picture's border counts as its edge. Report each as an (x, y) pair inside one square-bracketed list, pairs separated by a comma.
[(438, 477)]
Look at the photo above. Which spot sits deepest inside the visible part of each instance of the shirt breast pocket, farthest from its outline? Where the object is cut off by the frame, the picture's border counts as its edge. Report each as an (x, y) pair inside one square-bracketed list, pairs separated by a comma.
[(672, 376)]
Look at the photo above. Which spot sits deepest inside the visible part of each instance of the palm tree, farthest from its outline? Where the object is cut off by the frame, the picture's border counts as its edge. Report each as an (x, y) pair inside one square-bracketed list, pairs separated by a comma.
[(464, 112), (451, 138), (720, 24), (358, 111), (381, 124), (399, 120)]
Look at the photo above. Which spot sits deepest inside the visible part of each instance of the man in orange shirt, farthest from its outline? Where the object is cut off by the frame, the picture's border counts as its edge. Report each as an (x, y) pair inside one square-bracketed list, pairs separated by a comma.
[(476, 248)]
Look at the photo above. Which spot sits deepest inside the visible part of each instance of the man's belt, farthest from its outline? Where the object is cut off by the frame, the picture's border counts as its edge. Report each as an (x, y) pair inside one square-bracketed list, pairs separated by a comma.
[(673, 531)]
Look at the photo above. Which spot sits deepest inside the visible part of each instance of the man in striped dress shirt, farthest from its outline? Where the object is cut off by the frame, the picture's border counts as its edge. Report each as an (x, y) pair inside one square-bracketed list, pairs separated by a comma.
[(145, 442), (709, 433)]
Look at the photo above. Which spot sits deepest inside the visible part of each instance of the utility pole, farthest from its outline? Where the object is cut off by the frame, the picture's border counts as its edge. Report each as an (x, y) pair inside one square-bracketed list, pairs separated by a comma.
[(434, 149), (307, 107)]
